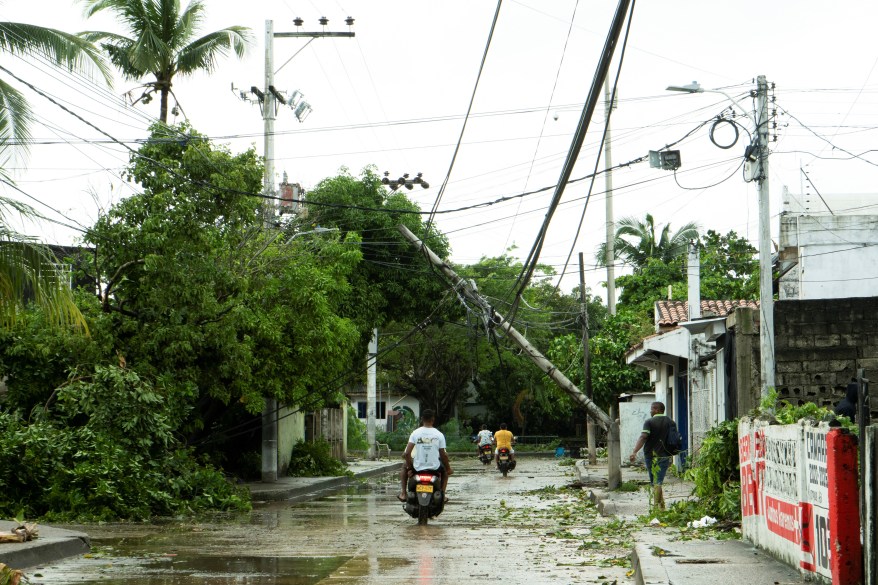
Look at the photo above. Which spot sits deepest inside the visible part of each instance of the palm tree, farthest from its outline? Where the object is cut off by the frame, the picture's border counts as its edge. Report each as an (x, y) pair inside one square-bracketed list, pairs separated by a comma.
[(635, 242), (28, 269), (161, 43)]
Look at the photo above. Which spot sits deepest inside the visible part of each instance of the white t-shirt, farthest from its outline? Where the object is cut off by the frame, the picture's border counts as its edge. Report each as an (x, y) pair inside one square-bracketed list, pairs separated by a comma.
[(486, 437), (427, 441)]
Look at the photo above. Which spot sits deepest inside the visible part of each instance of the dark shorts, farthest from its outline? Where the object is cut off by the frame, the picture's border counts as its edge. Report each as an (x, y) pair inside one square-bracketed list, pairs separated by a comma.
[(657, 467)]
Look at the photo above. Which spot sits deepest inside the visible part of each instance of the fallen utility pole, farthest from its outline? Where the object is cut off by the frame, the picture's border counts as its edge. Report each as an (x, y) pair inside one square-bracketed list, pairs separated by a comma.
[(494, 319)]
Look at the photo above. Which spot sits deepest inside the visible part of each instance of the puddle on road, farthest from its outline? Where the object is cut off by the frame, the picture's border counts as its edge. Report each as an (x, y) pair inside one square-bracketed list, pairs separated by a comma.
[(277, 543), (183, 570), (357, 535)]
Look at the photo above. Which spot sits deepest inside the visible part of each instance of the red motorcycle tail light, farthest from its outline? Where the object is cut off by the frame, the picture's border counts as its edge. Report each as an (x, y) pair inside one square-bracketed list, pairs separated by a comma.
[(425, 478)]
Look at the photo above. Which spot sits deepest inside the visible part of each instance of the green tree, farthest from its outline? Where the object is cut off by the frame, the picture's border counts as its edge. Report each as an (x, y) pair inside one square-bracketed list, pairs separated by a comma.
[(729, 267), (30, 272), (162, 42), (610, 374), (394, 282), (507, 382), (636, 242), (434, 365), (729, 271), (205, 300)]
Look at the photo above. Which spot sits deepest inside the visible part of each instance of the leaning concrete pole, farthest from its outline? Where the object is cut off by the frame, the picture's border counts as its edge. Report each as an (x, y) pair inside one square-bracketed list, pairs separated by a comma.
[(467, 289)]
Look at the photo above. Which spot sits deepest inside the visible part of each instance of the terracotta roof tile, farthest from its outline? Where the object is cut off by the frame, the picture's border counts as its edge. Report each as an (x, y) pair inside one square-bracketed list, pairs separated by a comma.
[(673, 312)]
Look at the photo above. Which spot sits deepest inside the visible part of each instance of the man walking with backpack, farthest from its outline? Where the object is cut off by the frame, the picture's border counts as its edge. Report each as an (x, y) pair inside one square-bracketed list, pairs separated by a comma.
[(660, 441)]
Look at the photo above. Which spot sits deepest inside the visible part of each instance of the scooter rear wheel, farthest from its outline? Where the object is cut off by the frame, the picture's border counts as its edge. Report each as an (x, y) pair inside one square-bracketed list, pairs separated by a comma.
[(423, 514)]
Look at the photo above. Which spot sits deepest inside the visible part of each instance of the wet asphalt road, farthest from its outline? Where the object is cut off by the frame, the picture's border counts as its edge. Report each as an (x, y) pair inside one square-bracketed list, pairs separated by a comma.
[(520, 530)]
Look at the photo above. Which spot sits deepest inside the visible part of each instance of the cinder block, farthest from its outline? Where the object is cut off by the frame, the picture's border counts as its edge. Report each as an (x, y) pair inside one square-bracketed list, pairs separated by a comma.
[(827, 341)]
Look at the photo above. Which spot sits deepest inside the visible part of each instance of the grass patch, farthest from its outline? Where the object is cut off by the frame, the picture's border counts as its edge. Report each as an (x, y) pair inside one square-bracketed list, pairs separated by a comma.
[(628, 486)]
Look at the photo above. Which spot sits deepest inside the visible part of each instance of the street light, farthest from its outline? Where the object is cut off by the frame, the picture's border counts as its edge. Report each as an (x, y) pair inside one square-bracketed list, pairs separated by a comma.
[(757, 153), (317, 230)]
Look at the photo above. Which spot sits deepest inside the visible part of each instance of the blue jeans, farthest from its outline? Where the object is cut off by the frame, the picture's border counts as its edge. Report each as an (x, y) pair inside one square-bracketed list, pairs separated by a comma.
[(661, 468)]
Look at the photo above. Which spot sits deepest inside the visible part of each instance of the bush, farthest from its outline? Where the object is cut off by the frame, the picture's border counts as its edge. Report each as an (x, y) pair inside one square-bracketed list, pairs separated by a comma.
[(455, 439), (315, 460), (63, 474), (106, 451), (715, 471), (357, 439)]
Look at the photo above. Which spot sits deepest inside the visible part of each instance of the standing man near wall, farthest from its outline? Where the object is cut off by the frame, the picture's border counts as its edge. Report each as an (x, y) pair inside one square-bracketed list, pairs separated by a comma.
[(656, 454)]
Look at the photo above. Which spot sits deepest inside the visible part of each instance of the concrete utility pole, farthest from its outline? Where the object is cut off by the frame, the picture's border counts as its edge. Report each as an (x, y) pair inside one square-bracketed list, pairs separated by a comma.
[(586, 365), (269, 97), (757, 159), (766, 290), (494, 319), (371, 392), (610, 256)]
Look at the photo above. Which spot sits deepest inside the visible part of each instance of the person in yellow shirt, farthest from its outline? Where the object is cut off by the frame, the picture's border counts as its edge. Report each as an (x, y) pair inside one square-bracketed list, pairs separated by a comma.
[(503, 438)]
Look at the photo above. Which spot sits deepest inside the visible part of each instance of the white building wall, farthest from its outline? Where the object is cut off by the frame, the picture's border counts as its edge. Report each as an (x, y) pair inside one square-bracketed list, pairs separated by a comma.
[(834, 240), (632, 415)]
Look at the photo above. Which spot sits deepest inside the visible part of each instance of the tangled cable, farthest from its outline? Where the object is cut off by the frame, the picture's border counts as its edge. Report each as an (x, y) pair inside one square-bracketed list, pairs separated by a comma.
[(722, 120)]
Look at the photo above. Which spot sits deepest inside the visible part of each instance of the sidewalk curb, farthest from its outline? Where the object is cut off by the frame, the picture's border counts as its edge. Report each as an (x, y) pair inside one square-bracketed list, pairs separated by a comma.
[(52, 545), (275, 492), (648, 570)]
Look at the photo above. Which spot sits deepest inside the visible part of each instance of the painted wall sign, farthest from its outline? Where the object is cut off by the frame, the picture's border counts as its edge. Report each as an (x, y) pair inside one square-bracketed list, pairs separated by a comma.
[(789, 479)]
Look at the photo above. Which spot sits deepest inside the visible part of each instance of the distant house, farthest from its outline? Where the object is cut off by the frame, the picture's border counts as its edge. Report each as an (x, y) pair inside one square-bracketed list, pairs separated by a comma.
[(692, 363), (389, 405)]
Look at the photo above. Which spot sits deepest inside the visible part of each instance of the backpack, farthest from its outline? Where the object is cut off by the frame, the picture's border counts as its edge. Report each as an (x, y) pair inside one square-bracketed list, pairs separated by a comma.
[(673, 441)]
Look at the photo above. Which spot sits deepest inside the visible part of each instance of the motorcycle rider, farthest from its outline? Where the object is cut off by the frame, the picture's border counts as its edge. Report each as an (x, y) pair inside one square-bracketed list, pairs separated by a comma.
[(430, 454), (504, 438), (485, 437)]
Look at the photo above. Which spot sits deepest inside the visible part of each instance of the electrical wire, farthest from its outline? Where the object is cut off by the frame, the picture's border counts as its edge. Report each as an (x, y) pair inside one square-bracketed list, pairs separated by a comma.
[(468, 112), (576, 146)]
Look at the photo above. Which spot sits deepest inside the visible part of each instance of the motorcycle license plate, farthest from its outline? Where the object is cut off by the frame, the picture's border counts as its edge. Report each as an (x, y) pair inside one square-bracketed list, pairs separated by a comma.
[(424, 488), (504, 458)]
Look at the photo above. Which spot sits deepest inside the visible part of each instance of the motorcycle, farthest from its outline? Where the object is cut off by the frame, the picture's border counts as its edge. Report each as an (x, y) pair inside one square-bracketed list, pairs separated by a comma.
[(486, 453), (425, 497), (505, 463)]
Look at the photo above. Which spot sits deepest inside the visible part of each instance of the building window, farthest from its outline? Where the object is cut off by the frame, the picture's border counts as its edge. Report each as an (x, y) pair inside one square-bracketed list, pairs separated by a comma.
[(380, 410)]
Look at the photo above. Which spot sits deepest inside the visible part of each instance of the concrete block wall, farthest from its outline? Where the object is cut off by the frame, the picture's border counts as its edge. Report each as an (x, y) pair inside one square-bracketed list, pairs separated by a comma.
[(819, 344)]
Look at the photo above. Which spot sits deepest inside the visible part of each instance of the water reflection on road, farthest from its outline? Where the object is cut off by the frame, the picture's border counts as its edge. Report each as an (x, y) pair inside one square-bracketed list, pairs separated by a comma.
[(358, 536)]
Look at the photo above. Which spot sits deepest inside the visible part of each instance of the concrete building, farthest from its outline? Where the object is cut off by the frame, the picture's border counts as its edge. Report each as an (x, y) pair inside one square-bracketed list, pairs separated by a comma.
[(828, 247)]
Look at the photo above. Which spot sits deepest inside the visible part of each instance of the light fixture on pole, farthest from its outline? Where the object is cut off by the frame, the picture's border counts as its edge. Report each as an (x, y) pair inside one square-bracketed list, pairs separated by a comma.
[(404, 181), (757, 154), (317, 230)]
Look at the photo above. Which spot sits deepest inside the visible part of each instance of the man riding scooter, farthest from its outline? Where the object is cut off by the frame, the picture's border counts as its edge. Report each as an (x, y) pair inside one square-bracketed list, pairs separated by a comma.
[(503, 439)]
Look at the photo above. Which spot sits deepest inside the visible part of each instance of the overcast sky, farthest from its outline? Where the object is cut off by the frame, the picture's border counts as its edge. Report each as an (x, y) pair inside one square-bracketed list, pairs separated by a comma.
[(396, 97)]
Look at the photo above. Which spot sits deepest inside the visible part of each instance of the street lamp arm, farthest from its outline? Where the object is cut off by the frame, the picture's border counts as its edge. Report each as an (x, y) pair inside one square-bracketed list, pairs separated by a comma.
[(737, 104), (694, 87)]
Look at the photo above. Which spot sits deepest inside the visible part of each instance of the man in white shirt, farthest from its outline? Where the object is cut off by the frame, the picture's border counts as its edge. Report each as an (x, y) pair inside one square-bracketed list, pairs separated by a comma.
[(429, 455), (485, 437)]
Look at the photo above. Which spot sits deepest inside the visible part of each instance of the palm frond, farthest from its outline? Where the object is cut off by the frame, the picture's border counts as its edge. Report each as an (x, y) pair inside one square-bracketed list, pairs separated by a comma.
[(29, 272), (202, 54), (15, 120), (63, 49)]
